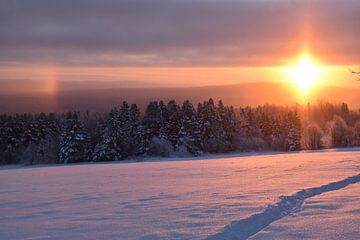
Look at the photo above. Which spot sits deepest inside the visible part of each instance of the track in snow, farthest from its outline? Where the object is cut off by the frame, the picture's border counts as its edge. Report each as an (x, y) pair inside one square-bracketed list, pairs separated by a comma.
[(244, 228)]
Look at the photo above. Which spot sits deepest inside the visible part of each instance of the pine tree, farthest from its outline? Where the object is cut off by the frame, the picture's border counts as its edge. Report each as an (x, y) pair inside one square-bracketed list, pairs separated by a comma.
[(74, 141), (164, 118), (44, 139), (136, 131), (229, 124), (111, 146), (189, 135), (293, 139), (212, 132), (9, 139), (151, 125), (93, 125), (173, 123), (126, 128)]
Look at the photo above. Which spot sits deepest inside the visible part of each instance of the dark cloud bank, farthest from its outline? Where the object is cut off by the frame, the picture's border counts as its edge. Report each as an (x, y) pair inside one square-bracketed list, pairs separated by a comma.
[(176, 33)]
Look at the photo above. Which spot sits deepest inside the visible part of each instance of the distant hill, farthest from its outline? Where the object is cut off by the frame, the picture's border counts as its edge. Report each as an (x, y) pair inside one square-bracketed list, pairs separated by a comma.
[(103, 99), (27, 86)]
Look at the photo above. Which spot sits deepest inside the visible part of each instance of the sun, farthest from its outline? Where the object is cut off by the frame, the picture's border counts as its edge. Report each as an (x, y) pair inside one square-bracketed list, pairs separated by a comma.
[(305, 73)]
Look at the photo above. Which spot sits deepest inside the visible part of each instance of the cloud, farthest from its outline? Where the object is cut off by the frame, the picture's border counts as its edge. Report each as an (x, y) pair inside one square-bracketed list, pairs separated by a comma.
[(176, 33)]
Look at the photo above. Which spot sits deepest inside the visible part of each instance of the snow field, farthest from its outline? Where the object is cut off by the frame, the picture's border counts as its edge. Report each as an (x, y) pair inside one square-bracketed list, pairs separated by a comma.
[(190, 199)]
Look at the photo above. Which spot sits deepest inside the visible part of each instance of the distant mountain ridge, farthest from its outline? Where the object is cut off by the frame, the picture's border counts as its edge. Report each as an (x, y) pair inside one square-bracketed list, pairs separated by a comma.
[(100, 100)]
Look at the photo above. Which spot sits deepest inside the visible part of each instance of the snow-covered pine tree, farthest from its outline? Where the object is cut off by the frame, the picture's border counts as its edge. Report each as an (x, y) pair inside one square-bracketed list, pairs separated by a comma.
[(9, 139), (93, 123), (265, 125), (173, 124), (126, 128), (136, 131), (189, 135), (212, 132), (49, 145), (164, 118), (293, 138), (230, 125), (152, 124), (74, 141), (111, 145), (37, 131), (246, 119), (152, 118)]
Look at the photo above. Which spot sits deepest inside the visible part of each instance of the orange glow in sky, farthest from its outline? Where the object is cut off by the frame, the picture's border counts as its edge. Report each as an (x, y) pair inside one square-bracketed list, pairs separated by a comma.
[(305, 73)]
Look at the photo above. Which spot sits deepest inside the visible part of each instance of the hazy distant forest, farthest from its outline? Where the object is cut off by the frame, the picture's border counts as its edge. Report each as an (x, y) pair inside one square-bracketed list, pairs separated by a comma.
[(174, 130)]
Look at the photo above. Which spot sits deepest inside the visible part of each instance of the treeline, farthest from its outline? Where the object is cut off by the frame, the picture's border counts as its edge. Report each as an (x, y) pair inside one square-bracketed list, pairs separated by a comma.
[(330, 125), (174, 130)]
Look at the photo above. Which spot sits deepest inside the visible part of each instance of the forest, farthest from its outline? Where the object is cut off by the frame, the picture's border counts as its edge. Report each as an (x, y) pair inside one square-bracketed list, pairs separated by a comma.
[(170, 129)]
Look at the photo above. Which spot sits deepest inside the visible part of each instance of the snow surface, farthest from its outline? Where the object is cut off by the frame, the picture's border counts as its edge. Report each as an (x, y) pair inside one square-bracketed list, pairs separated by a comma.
[(186, 199), (332, 216)]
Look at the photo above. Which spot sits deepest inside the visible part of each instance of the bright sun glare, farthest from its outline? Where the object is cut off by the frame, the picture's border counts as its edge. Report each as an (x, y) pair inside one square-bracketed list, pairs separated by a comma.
[(304, 74)]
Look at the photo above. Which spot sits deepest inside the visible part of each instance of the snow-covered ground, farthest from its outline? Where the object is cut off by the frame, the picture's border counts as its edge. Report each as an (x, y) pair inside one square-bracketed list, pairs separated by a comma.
[(332, 216), (219, 198)]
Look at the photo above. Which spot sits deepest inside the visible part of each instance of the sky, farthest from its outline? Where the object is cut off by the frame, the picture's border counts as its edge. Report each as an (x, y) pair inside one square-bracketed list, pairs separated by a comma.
[(175, 42)]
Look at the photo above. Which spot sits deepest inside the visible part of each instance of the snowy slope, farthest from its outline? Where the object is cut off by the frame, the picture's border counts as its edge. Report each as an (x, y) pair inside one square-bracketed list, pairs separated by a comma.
[(192, 199)]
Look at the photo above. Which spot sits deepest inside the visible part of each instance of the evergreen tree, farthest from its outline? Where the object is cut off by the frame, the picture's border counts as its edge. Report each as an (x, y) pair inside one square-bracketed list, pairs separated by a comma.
[(74, 141), (44, 144), (93, 126), (112, 144), (43, 138), (293, 139), (9, 140), (229, 125), (136, 132), (212, 132), (164, 118), (151, 125), (189, 135), (173, 123)]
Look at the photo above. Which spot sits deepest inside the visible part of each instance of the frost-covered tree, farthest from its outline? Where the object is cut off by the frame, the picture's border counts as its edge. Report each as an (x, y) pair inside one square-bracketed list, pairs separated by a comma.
[(356, 140), (312, 136), (74, 141), (164, 118), (337, 129), (173, 123), (113, 142), (122, 135), (45, 145), (189, 136), (230, 125), (137, 145), (265, 125), (293, 138), (93, 123), (152, 119), (212, 133), (151, 125), (9, 138), (39, 138)]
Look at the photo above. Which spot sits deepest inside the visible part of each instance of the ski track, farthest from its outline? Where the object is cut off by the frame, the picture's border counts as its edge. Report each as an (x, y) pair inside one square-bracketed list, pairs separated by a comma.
[(247, 227)]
